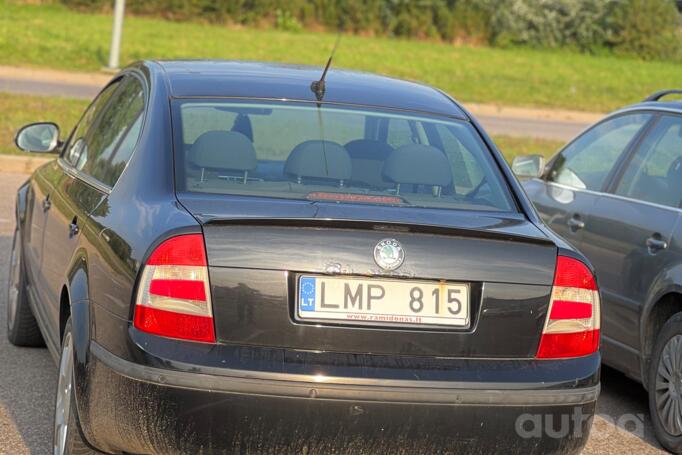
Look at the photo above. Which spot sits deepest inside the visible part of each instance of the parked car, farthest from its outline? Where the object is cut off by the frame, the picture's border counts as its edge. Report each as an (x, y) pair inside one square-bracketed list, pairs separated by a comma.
[(225, 257), (615, 193)]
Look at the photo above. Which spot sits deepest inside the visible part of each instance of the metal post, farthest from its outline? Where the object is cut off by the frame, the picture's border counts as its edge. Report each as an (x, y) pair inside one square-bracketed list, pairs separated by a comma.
[(115, 51)]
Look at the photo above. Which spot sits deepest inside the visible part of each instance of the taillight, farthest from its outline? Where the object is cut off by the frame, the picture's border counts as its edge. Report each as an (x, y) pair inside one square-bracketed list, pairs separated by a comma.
[(572, 324), (174, 297)]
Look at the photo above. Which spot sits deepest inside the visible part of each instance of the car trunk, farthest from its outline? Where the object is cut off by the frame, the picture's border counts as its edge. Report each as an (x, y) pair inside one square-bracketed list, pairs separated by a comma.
[(258, 249)]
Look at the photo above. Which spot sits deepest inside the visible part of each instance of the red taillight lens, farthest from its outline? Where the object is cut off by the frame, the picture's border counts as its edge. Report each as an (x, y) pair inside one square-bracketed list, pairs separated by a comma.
[(181, 250), (571, 273), (572, 325), (174, 297)]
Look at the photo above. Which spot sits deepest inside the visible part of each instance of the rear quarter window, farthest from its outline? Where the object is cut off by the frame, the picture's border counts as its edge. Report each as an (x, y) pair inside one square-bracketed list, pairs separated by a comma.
[(104, 141)]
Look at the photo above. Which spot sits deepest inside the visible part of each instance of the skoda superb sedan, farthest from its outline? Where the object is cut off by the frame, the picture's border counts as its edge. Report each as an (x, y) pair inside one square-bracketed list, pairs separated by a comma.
[(242, 257)]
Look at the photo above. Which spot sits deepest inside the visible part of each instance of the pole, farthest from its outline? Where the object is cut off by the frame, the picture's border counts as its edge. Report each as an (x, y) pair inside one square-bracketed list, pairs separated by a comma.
[(115, 51)]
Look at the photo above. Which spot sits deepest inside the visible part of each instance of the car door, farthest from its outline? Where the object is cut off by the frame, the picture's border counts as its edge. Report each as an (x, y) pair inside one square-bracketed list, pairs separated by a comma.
[(40, 191), (568, 191), (75, 195), (629, 233)]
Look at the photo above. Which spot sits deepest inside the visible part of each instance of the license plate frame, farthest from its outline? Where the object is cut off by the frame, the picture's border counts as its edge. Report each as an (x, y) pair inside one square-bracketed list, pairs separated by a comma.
[(405, 318)]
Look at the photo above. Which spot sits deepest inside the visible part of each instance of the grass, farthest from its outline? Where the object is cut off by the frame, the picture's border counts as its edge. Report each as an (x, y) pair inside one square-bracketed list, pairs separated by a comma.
[(53, 36), (18, 110), (512, 147)]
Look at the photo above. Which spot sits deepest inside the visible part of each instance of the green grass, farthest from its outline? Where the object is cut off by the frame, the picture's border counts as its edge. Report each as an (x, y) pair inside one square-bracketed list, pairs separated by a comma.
[(18, 110), (53, 36), (512, 147)]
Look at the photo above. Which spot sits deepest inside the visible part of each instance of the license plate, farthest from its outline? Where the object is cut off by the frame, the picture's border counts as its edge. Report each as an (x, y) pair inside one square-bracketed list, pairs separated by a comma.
[(366, 301)]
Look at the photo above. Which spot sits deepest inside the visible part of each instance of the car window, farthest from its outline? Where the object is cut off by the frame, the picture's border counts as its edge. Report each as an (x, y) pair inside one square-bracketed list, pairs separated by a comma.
[(333, 153), (587, 162), (274, 138), (76, 150), (402, 132), (198, 121), (112, 139), (466, 170), (654, 173)]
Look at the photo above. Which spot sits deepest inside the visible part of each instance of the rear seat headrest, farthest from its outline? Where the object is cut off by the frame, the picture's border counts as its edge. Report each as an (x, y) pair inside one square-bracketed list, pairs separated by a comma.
[(367, 158), (320, 160), (223, 150), (368, 149), (418, 164)]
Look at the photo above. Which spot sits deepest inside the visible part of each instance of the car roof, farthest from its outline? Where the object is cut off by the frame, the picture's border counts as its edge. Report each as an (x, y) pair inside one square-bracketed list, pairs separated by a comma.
[(242, 79), (656, 102), (670, 106)]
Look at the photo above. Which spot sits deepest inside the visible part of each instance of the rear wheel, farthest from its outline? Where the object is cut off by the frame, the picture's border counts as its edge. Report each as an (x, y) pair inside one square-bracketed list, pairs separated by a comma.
[(22, 328), (665, 385), (67, 438)]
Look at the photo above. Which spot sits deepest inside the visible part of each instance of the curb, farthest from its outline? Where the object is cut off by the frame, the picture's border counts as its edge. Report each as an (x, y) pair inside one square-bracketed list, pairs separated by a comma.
[(530, 113), (50, 75), (21, 164)]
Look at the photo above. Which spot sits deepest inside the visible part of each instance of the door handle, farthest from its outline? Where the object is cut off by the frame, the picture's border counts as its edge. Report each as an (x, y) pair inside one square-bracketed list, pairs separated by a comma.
[(575, 223), (47, 203), (655, 244), (73, 228)]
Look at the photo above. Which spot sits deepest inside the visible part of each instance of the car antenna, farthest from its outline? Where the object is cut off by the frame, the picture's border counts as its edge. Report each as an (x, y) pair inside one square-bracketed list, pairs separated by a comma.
[(318, 87)]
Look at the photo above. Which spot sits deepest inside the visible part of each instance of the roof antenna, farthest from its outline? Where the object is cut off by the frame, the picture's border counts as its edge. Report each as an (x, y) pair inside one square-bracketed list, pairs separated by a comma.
[(318, 87)]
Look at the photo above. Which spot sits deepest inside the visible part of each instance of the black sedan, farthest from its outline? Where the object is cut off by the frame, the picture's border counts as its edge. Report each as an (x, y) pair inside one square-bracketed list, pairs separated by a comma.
[(241, 257)]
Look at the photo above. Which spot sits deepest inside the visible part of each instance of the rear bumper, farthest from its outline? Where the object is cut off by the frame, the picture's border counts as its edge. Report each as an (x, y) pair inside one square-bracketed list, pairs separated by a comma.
[(141, 409)]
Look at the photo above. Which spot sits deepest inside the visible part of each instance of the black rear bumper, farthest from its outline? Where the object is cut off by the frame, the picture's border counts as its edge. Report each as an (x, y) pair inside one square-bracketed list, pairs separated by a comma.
[(135, 408)]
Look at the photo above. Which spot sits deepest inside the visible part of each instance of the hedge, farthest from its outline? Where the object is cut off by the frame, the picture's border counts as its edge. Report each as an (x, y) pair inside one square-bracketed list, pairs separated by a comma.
[(645, 28)]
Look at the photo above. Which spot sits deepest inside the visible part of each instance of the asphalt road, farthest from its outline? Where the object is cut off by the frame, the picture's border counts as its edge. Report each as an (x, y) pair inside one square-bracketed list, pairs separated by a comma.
[(561, 130), (28, 380), (28, 376), (45, 88)]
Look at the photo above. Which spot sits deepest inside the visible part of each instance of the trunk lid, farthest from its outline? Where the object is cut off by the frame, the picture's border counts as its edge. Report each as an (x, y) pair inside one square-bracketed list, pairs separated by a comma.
[(259, 248)]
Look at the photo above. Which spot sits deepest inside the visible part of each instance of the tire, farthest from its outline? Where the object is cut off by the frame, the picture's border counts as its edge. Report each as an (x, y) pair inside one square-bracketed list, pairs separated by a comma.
[(67, 436), (665, 385), (22, 327)]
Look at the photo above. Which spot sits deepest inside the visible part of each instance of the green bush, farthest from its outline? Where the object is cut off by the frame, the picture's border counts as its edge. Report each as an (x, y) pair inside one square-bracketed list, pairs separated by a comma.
[(583, 24), (646, 28), (284, 20), (472, 21)]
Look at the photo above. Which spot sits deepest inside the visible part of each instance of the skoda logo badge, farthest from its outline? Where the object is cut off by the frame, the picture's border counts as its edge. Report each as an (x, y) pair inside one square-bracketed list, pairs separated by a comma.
[(389, 254)]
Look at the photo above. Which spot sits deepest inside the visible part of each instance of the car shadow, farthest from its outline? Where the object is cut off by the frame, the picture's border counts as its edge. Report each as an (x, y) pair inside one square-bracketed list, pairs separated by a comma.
[(28, 377)]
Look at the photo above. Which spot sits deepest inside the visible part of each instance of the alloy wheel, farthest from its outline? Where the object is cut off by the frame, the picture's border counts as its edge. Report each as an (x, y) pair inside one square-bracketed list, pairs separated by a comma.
[(669, 386), (64, 390)]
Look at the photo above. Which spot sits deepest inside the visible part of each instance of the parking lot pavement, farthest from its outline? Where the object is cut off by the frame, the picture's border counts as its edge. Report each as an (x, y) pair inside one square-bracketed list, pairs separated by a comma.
[(622, 422), (27, 375), (28, 379)]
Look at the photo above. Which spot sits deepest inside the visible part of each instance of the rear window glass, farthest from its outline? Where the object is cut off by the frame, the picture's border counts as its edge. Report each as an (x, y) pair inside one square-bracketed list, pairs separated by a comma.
[(331, 153)]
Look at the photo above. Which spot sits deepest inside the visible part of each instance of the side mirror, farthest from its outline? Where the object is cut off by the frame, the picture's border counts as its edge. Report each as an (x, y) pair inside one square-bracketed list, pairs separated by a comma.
[(40, 137), (529, 166)]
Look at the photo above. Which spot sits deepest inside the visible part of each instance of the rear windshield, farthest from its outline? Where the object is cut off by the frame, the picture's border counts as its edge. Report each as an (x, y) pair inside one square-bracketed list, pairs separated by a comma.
[(331, 153)]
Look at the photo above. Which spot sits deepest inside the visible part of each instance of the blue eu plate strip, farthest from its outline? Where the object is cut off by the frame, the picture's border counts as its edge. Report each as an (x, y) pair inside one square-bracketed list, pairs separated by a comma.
[(306, 294)]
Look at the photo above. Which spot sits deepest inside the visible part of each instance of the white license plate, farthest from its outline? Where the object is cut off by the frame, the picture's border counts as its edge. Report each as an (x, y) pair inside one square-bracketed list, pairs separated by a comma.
[(367, 301)]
